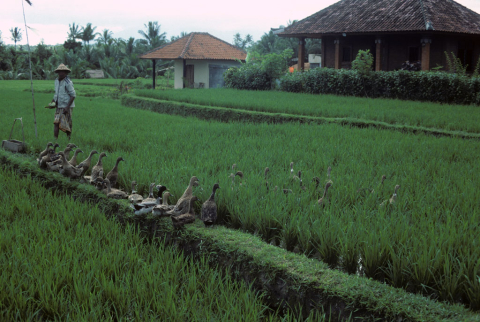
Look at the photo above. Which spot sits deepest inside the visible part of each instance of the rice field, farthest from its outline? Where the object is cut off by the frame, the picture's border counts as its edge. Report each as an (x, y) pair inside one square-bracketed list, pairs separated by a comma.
[(63, 260), (432, 115), (426, 242)]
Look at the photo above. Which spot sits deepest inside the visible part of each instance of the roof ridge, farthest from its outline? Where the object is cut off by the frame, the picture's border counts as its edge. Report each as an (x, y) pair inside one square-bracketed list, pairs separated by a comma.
[(185, 49), (427, 21), (235, 47)]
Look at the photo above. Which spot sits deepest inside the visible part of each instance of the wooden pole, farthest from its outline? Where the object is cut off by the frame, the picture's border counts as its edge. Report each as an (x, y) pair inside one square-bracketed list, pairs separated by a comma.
[(301, 54), (426, 53), (378, 55), (337, 53), (154, 74), (324, 53), (31, 77)]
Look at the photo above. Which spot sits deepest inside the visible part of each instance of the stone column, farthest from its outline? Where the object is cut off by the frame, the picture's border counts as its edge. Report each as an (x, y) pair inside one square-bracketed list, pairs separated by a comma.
[(378, 55), (426, 42), (337, 53), (301, 54)]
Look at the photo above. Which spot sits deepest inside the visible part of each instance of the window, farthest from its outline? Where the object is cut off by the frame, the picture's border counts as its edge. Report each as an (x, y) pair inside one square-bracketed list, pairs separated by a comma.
[(413, 54), (466, 57), (347, 54)]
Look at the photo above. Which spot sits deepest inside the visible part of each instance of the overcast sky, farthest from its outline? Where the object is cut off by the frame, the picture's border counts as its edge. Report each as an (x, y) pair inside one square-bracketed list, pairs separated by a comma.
[(50, 19)]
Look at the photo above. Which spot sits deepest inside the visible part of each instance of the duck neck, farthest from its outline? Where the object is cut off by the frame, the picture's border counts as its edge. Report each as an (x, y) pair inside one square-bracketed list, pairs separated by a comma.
[(165, 200), (116, 164), (100, 160), (325, 191), (212, 196)]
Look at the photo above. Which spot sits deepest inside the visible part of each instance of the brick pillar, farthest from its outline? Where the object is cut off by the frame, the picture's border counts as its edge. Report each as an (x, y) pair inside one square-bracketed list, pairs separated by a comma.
[(426, 42), (301, 53), (378, 55), (337, 53)]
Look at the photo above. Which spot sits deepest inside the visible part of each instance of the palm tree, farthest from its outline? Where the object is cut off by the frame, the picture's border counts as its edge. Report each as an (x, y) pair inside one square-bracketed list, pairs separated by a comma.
[(88, 33), (16, 35), (74, 32), (239, 42), (105, 36), (153, 36), (182, 34)]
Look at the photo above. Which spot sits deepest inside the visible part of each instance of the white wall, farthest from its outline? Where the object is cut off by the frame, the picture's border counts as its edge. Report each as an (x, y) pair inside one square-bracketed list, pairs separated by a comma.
[(200, 70)]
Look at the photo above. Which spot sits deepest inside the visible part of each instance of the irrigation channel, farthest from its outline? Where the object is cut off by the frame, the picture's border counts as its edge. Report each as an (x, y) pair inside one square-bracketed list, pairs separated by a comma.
[(291, 281)]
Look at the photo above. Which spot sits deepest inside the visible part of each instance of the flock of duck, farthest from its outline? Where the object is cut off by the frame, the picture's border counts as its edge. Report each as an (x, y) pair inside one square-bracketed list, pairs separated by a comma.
[(180, 213), (324, 199), (183, 211)]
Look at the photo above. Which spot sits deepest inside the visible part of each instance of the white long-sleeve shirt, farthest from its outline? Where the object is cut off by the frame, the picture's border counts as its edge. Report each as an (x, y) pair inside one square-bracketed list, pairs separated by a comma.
[(63, 91)]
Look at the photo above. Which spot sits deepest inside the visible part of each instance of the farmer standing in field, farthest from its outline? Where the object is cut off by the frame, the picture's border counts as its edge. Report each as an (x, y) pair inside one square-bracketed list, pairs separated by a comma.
[(63, 98)]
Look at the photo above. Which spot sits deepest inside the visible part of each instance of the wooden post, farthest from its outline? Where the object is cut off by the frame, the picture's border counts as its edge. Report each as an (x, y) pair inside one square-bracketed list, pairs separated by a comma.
[(426, 53), (378, 55), (337, 53), (324, 53), (301, 54), (153, 74)]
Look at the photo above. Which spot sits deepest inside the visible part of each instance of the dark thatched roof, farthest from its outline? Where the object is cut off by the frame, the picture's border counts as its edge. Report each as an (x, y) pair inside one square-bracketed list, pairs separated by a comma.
[(380, 16)]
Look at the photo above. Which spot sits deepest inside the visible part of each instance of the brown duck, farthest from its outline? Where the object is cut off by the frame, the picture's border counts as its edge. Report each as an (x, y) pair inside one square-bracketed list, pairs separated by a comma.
[(113, 174), (186, 218), (44, 152), (85, 164), (392, 199), (163, 209), (134, 197), (151, 197), (324, 200), (183, 204), (97, 170), (67, 169), (114, 193), (46, 159), (73, 161), (209, 208)]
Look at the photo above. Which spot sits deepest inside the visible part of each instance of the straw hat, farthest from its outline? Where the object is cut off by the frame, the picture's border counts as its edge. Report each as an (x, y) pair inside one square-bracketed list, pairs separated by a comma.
[(62, 67)]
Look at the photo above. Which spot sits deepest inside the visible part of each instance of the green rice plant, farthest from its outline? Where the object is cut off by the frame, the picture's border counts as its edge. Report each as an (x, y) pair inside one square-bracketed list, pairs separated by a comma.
[(423, 114), (58, 263), (435, 213), (348, 248)]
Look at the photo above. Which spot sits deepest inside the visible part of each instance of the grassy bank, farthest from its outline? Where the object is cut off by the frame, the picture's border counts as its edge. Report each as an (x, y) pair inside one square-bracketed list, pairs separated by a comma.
[(431, 115)]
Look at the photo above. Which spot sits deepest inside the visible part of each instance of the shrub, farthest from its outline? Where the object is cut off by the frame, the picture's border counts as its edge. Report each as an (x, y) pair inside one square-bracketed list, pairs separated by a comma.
[(260, 72), (363, 62), (423, 86)]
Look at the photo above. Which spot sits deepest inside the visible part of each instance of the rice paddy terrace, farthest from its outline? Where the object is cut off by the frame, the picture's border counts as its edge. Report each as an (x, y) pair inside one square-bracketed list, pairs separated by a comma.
[(422, 248)]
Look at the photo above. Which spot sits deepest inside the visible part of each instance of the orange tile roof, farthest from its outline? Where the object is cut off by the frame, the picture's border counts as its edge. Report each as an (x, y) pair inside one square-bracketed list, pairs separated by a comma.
[(197, 45)]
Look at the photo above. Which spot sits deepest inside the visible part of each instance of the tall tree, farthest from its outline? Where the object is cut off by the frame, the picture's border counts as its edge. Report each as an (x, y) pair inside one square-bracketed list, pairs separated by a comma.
[(88, 33), (152, 35), (242, 43), (16, 35), (105, 36), (74, 32)]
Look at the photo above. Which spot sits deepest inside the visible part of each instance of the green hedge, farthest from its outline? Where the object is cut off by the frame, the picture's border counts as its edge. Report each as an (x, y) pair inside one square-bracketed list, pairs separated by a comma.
[(422, 86), (248, 76)]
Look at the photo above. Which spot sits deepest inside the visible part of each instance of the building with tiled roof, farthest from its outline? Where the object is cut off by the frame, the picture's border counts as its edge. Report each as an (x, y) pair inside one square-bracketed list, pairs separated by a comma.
[(394, 30), (200, 59)]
